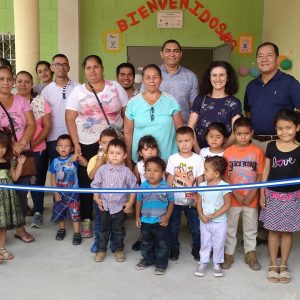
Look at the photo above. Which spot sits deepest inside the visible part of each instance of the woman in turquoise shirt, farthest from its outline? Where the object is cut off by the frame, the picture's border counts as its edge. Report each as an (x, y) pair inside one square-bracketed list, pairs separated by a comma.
[(152, 113)]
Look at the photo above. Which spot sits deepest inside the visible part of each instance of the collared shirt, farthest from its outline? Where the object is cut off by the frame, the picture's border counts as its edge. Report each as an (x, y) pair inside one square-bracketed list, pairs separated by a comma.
[(183, 86), (263, 101), (56, 96), (114, 177)]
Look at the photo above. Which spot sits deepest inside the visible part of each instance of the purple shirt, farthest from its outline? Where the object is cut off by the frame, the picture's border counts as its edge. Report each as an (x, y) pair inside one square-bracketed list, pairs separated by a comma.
[(115, 177)]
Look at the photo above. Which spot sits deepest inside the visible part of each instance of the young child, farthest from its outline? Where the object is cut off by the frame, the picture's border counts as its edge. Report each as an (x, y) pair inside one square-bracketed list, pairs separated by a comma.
[(216, 136), (185, 169), (153, 211), (113, 207), (281, 205), (245, 165), (10, 207), (212, 207), (94, 163), (63, 171)]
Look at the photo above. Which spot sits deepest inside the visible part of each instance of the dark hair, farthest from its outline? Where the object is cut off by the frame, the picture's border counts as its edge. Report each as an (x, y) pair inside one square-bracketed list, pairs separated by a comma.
[(6, 141), (5, 63), (42, 62), (217, 126), (152, 66), (287, 115), (31, 78), (185, 130), (242, 122), (64, 137), (156, 160), (117, 143), (170, 42), (7, 68), (59, 55), (275, 47), (92, 56), (108, 132), (232, 84), (149, 141), (219, 163), (125, 65)]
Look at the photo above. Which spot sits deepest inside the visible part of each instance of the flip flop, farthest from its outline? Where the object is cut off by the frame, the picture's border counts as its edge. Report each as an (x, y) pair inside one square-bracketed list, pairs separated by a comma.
[(26, 237)]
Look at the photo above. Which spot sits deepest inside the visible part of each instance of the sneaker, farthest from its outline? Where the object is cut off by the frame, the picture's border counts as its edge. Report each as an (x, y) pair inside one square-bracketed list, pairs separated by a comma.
[(201, 270), (228, 261), (159, 271), (120, 256), (136, 246), (94, 248), (217, 271), (100, 256), (76, 239), (142, 265), (251, 260), (174, 253), (37, 221), (86, 231), (60, 235), (195, 253)]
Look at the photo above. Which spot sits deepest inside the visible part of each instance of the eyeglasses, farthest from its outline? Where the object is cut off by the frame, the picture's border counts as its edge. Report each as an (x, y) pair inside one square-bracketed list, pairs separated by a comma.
[(152, 116), (61, 66)]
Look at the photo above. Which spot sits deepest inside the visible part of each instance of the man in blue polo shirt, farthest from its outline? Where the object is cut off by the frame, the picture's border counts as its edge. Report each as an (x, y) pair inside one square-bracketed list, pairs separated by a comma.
[(268, 93)]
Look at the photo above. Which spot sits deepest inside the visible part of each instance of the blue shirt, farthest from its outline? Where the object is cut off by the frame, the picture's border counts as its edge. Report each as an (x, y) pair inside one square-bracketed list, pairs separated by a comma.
[(154, 205), (263, 101)]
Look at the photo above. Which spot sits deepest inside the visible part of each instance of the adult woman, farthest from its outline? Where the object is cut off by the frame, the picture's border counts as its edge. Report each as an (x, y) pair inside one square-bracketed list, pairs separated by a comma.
[(42, 115), (152, 113), (86, 120), (24, 124), (215, 102), (43, 70)]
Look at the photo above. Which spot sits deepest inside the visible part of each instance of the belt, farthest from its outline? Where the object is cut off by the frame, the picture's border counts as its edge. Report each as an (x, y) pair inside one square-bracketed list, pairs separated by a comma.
[(265, 138)]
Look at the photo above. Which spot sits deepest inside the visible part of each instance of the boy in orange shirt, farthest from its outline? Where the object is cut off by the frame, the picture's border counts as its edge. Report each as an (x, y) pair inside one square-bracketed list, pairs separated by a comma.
[(245, 165)]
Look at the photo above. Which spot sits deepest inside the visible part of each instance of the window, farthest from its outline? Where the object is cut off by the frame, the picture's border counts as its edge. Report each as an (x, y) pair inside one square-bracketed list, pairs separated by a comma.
[(7, 48)]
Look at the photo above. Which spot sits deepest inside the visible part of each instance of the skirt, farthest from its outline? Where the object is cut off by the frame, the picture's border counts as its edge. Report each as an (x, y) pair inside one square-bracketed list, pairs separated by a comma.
[(10, 208), (282, 212)]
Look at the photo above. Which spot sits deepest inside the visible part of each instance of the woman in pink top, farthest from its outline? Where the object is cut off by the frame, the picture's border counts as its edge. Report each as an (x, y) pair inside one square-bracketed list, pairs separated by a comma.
[(42, 114), (23, 119)]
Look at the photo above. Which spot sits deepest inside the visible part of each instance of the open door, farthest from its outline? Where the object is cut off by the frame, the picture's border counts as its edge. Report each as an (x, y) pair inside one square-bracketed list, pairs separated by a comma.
[(222, 52)]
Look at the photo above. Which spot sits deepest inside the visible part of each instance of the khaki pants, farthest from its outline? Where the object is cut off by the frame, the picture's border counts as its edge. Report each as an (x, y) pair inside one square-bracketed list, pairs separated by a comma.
[(250, 216)]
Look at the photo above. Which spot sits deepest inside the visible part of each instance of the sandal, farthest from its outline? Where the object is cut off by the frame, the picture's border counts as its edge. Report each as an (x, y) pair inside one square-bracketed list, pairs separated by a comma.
[(284, 276), (5, 254), (25, 237), (273, 276)]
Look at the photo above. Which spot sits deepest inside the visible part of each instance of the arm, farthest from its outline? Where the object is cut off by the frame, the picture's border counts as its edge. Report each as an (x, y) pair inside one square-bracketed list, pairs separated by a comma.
[(249, 198), (128, 132), (223, 209), (47, 124), (201, 215), (16, 172), (137, 174), (164, 220), (99, 162), (170, 180), (98, 200), (230, 139), (138, 209), (128, 206), (71, 116), (193, 119), (177, 119), (264, 177), (53, 183)]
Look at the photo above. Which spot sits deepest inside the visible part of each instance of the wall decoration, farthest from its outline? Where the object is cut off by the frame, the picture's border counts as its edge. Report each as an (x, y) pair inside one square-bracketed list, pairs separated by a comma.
[(112, 41), (245, 44), (244, 71), (170, 19), (286, 64), (254, 72)]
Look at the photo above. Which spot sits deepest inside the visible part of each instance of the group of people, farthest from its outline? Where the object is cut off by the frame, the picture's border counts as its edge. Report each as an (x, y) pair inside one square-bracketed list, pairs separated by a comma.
[(106, 134)]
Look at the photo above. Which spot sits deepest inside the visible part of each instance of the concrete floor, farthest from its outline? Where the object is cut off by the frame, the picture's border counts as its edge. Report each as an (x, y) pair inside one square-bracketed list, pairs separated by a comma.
[(48, 269)]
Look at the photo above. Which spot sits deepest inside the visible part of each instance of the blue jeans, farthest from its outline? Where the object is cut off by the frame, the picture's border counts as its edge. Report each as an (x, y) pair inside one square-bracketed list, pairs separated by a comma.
[(193, 223), (41, 161), (155, 244)]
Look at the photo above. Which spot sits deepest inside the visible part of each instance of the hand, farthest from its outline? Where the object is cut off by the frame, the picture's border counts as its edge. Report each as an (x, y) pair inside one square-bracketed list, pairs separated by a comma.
[(18, 148), (129, 164), (138, 223), (262, 201), (99, 203), (77, 149), (82, 161), (99, 161), (204, 218), (248, 199), (164, 221), (127, 208), (239, 198), (21, 159), (57, 196)]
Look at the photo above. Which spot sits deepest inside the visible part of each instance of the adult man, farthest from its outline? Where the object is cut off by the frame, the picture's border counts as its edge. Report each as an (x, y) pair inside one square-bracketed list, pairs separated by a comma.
[(125, 73), (268, 93), (178, 81)]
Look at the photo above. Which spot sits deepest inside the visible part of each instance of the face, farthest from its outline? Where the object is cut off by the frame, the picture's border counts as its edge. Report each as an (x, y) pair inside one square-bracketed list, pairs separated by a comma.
[(24, 85), (151, 80), (148, 152), (104, 142), (3, 150), (171, 55), (93, 71), (60, 67), (6, 81), (286, 130), (64, 147), (185, 142), (126, 78), (154, 173), (243, 136), (218, 78), (209, 173), (44, 73), (266, 60), (116, 155), (215, 139)]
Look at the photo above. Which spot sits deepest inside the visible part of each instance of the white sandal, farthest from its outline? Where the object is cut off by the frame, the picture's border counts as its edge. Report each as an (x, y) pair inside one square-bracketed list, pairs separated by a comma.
[(284, 277), (273, 276)]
